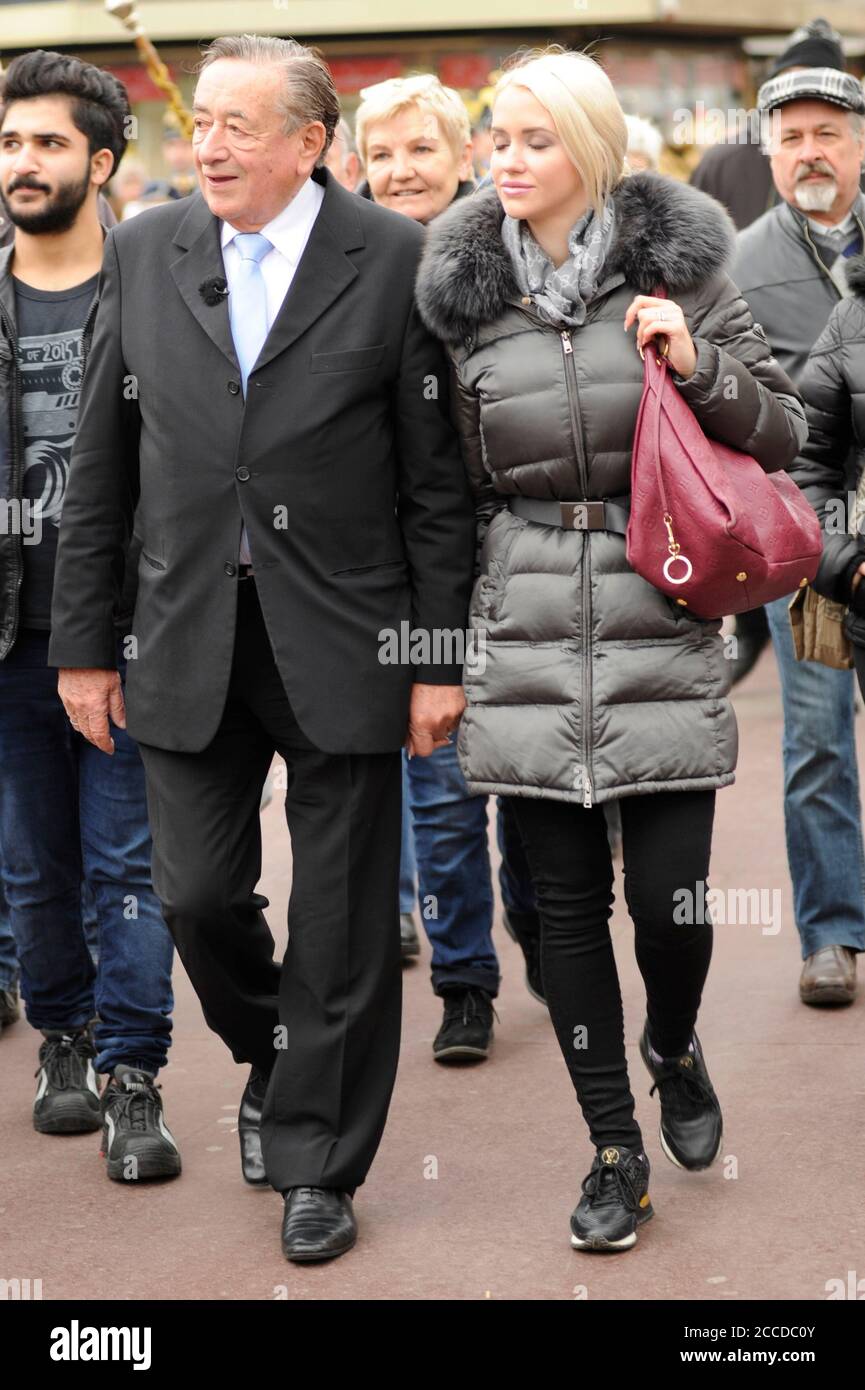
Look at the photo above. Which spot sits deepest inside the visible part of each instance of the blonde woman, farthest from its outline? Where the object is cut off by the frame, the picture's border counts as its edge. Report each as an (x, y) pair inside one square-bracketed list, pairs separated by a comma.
[(595, 686), (414, 140)]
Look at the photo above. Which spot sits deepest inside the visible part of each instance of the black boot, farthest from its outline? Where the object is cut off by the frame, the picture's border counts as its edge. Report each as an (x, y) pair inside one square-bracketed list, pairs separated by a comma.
[(466, 1033)]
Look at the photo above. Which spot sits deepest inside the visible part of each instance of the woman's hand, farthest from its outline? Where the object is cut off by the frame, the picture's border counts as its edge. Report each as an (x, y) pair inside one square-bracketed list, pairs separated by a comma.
[(662, 317)]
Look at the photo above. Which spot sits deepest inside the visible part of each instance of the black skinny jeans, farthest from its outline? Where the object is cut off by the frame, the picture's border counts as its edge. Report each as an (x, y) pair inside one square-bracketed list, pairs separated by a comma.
[(666, 842)]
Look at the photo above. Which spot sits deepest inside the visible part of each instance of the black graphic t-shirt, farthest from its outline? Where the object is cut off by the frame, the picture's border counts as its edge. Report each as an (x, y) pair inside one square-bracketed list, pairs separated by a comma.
[(50, 327)]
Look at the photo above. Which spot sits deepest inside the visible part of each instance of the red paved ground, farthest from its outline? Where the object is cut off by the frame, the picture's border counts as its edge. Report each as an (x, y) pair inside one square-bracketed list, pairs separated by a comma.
[(510, 1147)]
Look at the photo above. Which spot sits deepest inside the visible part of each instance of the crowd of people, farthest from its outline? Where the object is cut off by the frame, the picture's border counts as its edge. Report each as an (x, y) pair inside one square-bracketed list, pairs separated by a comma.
[(342, 384)]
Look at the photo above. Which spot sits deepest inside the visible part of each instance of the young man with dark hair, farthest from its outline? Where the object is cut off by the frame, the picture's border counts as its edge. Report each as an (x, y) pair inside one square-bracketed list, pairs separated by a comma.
[(70, 815)]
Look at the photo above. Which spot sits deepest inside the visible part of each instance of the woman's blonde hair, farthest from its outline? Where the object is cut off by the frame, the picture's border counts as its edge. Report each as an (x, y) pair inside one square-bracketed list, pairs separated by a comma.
[(386, 99), (586, 113)]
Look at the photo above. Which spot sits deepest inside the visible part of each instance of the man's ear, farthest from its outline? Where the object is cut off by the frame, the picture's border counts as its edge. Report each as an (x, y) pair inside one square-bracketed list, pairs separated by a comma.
[(101, 167), (312, 138)]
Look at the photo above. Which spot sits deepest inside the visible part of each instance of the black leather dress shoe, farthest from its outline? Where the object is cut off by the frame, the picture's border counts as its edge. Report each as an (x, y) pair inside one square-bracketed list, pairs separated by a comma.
[(318, 1224), (249, 1129)]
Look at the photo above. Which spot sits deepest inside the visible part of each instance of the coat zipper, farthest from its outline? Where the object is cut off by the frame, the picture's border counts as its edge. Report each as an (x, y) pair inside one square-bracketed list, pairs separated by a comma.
[(585, 564)]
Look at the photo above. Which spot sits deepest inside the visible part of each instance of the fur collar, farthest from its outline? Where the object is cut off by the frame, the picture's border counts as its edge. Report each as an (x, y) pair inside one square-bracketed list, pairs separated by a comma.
[(666, 232), (855, 272)]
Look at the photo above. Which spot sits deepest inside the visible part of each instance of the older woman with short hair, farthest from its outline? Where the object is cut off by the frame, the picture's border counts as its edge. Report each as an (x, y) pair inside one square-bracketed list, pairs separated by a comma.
[(414, 140)]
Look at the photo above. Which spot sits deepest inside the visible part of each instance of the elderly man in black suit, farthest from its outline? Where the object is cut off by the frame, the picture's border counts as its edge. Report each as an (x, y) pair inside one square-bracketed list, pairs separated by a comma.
[(266, 417)]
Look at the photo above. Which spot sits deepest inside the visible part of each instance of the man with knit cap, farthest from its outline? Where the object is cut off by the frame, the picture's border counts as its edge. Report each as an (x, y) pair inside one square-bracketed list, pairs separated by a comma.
[(790, 267)]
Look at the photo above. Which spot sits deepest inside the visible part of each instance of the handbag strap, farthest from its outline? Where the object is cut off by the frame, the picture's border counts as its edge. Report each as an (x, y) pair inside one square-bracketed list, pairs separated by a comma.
[(652, 354)]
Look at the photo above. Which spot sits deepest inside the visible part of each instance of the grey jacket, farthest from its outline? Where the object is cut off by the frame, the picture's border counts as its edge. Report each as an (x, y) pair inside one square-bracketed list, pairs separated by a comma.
[(589, 683), (788, 288)]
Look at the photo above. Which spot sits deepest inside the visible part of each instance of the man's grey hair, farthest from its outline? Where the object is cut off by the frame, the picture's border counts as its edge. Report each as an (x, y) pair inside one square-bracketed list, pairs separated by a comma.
[(308, 94)]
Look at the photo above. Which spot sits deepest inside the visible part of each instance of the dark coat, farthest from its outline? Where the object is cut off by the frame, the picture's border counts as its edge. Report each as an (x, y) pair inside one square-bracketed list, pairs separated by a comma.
[(833, 389), (739, 175), (342, 463), (593, 684)]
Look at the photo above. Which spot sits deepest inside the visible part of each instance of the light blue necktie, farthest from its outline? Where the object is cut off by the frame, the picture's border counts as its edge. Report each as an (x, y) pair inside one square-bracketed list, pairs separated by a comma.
[(247, 309), (247, 303)]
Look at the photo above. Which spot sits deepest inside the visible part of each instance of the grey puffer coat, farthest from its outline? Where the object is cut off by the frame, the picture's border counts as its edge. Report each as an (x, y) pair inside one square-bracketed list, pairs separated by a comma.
[(591, 684)]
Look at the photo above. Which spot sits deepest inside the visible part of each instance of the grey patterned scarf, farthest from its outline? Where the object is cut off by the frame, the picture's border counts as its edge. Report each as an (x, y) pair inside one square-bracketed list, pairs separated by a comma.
[(561, 295)]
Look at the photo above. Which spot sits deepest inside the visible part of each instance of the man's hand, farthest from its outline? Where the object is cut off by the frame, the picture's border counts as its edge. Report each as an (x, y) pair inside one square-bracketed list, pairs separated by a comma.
[(91, 698), (857, 577), (434, 713)]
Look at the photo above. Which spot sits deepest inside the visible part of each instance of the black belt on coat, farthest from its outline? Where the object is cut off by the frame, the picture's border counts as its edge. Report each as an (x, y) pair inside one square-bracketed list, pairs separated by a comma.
[(609, 514)]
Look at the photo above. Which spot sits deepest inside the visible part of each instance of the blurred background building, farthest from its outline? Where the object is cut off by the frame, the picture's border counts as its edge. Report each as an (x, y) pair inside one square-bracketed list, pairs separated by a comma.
[(662, 55)]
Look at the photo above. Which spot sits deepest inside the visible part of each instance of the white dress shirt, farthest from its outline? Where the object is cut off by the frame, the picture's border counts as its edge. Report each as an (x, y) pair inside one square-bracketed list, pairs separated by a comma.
[(289, 231)]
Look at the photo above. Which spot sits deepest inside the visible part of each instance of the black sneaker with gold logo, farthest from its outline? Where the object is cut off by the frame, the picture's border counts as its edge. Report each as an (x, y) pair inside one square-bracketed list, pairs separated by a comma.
[(615, 1201), (691, 1124)]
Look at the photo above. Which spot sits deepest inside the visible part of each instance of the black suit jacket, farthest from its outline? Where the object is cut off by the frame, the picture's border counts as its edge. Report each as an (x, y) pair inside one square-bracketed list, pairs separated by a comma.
[(343, 464)]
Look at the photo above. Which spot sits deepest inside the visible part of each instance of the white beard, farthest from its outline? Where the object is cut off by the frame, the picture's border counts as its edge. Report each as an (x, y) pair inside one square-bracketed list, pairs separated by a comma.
[(816, 197)]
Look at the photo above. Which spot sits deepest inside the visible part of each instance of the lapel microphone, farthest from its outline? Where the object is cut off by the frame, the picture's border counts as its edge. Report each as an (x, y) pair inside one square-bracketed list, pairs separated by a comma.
[(214, 290)]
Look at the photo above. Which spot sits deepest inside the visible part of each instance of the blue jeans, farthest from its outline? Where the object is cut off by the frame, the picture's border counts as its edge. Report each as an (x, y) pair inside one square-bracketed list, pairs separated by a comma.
[(8, 954), (70, 814), (821, 796), (407, 858), (454, 881)]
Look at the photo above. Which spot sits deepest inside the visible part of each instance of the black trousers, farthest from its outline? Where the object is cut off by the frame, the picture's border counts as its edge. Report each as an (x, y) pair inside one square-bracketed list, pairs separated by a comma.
[(326, 1024), (666, 842)]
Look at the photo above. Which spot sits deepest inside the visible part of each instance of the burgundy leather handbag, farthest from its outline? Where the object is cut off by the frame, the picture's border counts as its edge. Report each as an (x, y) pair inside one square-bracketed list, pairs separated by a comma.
[(707, 526)]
